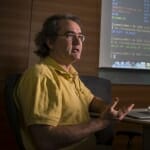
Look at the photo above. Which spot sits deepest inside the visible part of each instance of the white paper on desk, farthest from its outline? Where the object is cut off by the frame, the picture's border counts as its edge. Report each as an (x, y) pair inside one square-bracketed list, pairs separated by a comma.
[(139, 113)]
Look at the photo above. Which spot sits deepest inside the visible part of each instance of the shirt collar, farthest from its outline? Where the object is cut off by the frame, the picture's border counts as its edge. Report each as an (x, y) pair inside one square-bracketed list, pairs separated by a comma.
[(71, 74)]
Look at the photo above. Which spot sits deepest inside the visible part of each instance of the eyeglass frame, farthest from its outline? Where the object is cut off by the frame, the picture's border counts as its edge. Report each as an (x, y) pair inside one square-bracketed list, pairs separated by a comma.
[(73, 35)]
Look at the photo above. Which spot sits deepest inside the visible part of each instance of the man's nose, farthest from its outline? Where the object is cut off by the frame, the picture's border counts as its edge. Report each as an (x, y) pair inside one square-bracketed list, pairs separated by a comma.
[(76, 40)]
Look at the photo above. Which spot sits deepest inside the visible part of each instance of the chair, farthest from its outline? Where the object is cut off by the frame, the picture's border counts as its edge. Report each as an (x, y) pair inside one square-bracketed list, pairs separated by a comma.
[(11, 108), (101, 87)]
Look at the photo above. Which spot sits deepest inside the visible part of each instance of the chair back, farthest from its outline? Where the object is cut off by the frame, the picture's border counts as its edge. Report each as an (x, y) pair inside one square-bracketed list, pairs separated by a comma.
[(11, 108), (101, 87)]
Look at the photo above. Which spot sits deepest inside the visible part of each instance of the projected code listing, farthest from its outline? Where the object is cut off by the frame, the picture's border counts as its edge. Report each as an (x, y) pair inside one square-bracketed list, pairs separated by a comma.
[(130, 37)]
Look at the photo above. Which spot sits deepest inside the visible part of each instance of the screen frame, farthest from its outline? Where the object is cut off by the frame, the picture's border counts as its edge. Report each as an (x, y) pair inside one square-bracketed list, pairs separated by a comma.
[(133, 76)]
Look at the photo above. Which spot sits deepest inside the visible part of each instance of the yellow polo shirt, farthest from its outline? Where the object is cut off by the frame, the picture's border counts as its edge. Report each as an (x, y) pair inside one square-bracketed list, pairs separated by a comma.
[(49, 95)]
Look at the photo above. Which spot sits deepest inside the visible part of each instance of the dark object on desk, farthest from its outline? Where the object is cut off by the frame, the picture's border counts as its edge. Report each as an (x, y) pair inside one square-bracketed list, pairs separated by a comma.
[(101, 87), (11, 108)]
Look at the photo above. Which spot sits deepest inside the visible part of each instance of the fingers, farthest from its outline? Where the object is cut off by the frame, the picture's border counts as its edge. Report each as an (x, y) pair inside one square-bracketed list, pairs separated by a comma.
[(124, 111), (115, 103), (118, 114), (130, 107), (117, 98)]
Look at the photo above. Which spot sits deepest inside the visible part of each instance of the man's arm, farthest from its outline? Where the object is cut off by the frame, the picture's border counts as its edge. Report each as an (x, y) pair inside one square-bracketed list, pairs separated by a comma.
[(97, 105), (48, 137)]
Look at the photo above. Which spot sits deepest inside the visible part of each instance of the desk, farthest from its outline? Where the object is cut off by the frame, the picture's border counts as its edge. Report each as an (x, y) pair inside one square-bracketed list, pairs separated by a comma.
[(146, 130)]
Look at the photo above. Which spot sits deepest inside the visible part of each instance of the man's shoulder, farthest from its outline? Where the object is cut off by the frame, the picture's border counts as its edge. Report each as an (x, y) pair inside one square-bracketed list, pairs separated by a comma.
[(39, 70)]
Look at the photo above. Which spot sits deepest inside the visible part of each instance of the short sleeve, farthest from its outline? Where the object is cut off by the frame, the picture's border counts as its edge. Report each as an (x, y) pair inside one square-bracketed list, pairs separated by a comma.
[(39, 99), (88, 95)]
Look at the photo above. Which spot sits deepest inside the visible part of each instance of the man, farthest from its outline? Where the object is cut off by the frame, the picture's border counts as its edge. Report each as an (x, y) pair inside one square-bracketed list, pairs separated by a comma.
[(54, 104)]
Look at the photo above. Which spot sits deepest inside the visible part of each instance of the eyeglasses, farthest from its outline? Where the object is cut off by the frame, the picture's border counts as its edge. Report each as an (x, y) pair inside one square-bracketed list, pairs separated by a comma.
[(72, 36)]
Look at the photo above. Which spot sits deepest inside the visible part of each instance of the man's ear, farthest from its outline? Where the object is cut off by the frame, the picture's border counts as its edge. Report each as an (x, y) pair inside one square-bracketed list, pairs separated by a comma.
[(49, 43)]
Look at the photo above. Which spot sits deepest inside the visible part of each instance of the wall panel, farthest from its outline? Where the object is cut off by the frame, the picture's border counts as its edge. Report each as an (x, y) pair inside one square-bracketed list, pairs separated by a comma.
[(14, 31), (14, 43), (137, 94)]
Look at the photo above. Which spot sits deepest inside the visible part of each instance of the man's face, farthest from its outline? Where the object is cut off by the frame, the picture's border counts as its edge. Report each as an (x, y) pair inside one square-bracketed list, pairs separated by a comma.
[(68, 45)]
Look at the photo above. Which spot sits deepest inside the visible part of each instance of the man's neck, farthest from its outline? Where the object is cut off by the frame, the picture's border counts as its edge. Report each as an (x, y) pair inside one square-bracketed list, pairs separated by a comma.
[(66, 66)]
